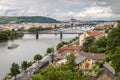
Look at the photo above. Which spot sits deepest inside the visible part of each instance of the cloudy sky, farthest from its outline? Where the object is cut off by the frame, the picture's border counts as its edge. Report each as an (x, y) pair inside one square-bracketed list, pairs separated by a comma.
[(62, 9)]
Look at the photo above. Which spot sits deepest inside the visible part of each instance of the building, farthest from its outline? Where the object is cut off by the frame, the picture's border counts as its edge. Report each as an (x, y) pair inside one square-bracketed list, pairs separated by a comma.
[(69, 48), (105, 25), (87, 60), (66, 50), (95, 34), (58, 63)]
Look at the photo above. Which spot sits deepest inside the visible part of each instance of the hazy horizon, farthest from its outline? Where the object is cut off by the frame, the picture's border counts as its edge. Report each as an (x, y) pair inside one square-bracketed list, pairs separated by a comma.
[(62, 9)]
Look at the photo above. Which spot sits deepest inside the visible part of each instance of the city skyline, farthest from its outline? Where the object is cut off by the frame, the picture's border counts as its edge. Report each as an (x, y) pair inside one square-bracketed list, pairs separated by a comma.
[(62, 9)]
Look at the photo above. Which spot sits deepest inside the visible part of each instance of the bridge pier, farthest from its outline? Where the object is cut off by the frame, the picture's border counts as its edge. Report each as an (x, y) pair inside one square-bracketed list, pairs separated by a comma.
[(61, 35), (37, 36)]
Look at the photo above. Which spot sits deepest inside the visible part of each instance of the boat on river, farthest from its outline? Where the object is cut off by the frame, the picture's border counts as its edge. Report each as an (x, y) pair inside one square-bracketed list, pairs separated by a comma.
[(13, 46)]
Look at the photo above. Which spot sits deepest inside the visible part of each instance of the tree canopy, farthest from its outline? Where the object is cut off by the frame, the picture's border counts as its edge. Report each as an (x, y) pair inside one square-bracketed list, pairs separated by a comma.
[(24, 65), (27, 19), (37, 57), (5, 35), (89, 41), (50, 50), (114, 39), (116, 59), (63, 72), (14, 70)]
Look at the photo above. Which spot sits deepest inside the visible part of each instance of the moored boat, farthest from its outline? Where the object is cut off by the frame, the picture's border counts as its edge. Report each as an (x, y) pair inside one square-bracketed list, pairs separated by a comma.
[(13, 46)]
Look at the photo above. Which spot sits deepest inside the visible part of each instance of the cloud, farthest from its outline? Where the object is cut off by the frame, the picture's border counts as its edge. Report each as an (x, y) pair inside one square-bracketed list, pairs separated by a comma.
[(62, 9)]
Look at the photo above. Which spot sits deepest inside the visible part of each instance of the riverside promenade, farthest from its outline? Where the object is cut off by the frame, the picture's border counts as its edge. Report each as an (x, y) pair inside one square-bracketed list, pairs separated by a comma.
[(30, 71)]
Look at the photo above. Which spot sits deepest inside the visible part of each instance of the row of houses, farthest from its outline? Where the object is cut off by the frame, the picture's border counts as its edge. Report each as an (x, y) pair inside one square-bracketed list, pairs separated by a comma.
[(29, 25), (26, 26), (84, 60)]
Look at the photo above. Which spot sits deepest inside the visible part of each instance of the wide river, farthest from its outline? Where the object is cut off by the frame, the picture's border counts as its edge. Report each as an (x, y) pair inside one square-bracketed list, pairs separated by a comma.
[(29, 47)]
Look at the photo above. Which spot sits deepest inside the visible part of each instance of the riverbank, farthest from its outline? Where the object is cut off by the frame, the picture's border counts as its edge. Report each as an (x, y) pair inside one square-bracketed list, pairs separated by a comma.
[(45, 60), (25, 51)]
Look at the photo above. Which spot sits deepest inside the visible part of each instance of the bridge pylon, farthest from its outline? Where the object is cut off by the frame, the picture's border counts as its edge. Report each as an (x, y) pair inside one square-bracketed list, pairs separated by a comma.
[(61, 35), (37, 36)]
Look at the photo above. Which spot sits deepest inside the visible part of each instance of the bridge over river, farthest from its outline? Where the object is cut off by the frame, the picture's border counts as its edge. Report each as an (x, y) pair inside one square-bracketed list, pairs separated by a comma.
[(62, 31)]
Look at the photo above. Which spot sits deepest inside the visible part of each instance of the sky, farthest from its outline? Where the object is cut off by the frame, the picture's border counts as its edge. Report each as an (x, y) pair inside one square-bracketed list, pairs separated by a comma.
[(62, 9)]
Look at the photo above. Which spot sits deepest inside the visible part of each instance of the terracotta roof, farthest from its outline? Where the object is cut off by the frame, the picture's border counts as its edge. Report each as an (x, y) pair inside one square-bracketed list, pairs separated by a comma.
[(69, 48), (94, 33), (76, 54), (94, 56)]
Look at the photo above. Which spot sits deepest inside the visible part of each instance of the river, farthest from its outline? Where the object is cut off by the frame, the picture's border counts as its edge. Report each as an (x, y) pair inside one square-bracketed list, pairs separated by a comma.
[(29, 47)]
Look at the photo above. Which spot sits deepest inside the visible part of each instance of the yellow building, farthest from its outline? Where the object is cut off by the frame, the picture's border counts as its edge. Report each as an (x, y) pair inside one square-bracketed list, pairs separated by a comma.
[(87, 60), (96, 34)]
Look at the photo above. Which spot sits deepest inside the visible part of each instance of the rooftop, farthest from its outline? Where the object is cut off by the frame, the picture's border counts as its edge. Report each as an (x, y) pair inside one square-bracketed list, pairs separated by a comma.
[(79, 59), (70, 48), (94, 33), (94, 56)]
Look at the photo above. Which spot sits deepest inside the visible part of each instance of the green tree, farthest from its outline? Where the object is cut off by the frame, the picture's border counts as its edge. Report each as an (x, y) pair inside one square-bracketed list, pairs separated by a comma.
[(93, 49), (4, 35), (59, 45), (37, 57), (118, 76), (58, 73), (37, 77), (114, 39), (50, 50), (116, 59), (102, 42), (24, 65), (89, 41), (33, 29), (29, 64), (14, 70), (71, 62)]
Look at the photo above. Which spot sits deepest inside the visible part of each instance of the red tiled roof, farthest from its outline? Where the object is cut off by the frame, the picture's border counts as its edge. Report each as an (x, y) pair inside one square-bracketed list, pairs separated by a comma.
[(70, 48), (76, 54), (94, 33), (94, 56)]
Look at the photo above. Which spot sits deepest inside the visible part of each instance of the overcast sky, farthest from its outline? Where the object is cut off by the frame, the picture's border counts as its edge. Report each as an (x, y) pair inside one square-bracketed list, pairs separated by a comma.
[(62, 9)]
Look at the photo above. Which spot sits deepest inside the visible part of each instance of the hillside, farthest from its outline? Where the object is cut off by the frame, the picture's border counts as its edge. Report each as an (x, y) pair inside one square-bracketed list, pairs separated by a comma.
[(26, 19)]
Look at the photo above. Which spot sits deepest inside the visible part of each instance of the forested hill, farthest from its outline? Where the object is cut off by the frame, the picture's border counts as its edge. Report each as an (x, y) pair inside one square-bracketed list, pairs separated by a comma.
[(26, 19)]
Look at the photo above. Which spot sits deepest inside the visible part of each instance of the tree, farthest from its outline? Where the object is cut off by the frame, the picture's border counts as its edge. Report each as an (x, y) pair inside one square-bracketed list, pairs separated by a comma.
[(29, 64), (114, 39), (89, 41), (14, 70), (71, 61), (102, 42), (33, 29), (24, 65), (93, 49), (58, 73), (50, 50), (118, 76), (37, 77), (4, 35), (116, 59), (59, 45), (37, 57)]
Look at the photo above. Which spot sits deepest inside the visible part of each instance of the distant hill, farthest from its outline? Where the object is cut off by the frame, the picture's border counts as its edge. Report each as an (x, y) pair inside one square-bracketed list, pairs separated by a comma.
[(26, 19)]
